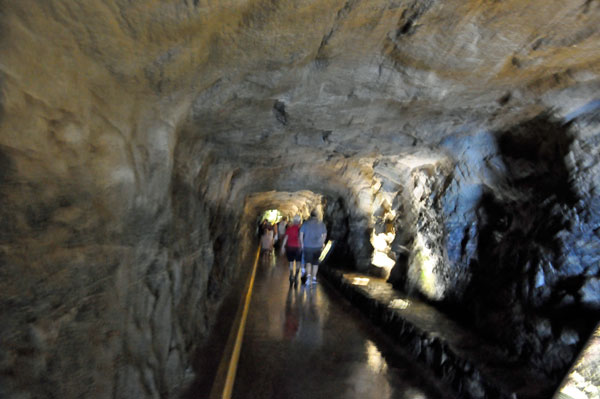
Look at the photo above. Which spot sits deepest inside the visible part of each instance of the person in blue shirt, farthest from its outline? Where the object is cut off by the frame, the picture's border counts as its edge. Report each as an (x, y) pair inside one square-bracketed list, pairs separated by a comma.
[(312, 238)]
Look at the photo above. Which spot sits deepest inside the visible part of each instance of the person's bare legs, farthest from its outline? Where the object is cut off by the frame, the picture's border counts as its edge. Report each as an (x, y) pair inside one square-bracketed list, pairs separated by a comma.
[(291, 271), (308, 273), (297, 274)]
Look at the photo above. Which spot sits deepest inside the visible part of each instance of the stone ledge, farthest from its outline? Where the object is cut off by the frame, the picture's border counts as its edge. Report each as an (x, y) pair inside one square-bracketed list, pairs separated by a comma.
[(472, 367)]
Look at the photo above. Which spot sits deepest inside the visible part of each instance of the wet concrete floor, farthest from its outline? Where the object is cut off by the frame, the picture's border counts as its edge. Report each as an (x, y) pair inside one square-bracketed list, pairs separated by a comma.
[(308, 342)]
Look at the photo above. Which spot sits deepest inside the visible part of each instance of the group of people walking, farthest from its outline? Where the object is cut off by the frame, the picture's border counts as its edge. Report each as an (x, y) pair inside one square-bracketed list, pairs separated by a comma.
[(298, 240)]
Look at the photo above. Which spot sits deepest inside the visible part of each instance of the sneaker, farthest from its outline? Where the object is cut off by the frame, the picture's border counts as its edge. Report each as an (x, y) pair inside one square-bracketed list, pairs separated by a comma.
[(308, 279), (314, 280)]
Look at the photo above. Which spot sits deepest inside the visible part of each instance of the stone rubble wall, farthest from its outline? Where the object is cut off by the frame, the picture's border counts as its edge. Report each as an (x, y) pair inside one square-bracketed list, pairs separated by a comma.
[(513, 229)]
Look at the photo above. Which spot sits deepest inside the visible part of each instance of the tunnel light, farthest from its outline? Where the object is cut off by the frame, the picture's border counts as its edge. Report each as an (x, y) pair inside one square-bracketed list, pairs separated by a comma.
[(382, 260), (381, 244), (272, 216), (382, 241), (325, 251), (360, 281), (399, 303), (428, 278), (422, 270)]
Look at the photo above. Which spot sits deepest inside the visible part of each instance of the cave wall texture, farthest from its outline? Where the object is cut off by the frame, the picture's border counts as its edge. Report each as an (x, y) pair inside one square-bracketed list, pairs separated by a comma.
[(138, 140)]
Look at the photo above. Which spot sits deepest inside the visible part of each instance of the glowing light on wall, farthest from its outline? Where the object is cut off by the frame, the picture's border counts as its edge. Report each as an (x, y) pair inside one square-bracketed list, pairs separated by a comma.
[(422, 270), (382, 260), (399, 303), (360, 281), (381, 244), (381, 241)]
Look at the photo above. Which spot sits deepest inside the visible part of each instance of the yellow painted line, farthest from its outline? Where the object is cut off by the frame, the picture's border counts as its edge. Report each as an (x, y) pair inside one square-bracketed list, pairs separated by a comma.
[(223, 385)]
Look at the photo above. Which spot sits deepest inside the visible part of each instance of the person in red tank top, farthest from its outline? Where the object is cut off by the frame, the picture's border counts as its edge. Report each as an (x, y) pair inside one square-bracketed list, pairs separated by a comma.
[(291, 245)]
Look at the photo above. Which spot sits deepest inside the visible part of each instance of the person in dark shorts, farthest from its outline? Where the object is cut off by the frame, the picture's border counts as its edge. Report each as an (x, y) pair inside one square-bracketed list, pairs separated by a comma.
[(312, 237), (291, 245)]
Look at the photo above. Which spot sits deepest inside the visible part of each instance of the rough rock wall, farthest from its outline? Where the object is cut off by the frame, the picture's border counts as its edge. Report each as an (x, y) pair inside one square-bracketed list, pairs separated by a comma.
[(106, 249), (86, 287), (537, 248), (507, 238), (108, 287)]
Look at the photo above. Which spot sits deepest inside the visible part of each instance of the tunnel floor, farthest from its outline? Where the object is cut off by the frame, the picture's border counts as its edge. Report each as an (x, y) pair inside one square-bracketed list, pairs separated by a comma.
[(308, 342)]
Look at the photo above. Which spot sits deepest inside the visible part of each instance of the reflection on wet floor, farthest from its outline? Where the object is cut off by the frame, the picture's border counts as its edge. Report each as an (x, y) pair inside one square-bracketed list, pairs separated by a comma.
[(307, 342)]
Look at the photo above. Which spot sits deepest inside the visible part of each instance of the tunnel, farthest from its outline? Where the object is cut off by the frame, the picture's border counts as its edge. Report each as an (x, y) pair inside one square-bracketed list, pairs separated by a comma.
[(451, 149)]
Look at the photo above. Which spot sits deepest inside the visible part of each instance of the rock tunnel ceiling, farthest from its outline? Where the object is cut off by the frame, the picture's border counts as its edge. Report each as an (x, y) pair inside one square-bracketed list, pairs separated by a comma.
[(133, 136)]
